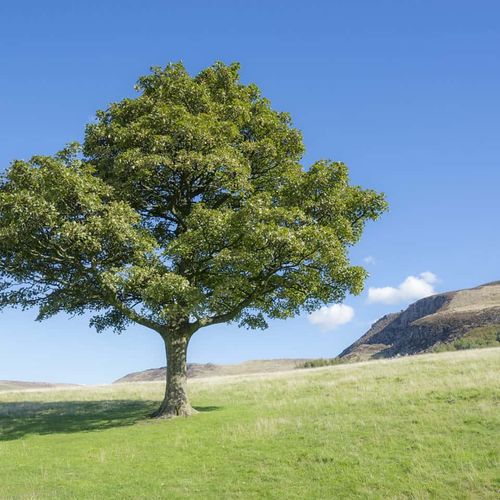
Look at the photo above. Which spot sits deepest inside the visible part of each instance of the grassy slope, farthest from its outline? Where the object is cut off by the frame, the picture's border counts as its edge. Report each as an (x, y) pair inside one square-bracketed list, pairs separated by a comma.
[(418, 427), (483, 336)]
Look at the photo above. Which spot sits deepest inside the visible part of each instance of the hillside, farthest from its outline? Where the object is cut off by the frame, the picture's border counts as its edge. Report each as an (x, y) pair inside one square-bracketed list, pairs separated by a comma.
[(415, 427), (446, 321), (195, 370)]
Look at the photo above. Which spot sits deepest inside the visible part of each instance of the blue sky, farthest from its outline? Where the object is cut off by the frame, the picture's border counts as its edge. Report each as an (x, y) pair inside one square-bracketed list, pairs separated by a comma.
[(405, 92)]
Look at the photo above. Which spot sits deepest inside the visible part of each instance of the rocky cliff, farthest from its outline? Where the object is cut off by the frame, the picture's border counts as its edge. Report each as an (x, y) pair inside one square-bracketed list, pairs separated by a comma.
[(429, 323)]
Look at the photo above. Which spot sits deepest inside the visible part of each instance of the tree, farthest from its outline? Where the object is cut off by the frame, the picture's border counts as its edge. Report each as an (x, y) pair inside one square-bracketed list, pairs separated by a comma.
[(186, 207)]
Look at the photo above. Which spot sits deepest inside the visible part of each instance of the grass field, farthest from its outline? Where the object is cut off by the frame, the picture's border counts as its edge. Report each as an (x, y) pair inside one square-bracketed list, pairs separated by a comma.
[(421, 427)]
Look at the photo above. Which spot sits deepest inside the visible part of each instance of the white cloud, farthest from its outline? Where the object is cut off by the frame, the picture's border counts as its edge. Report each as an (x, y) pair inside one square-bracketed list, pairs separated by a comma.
[(412, 288), (330, 317), (369, 259), (429, 277)]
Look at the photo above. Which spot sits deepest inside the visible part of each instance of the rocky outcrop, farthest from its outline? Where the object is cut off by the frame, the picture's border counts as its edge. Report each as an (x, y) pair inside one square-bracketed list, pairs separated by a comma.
[(439, 319)]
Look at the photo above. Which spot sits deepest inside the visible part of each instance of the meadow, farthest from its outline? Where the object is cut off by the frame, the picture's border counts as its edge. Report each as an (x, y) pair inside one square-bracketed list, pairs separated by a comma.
[(418, 427)]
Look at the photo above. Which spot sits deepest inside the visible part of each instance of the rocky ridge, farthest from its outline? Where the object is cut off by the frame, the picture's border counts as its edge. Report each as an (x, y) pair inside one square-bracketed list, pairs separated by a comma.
[(424, 325)]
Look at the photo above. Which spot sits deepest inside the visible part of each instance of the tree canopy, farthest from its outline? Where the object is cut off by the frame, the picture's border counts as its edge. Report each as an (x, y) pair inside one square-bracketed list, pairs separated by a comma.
[(186, 206)]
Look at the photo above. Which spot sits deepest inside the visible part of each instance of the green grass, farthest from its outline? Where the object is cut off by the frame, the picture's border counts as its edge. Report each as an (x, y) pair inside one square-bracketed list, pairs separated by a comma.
[(417, 427), (484, 336)]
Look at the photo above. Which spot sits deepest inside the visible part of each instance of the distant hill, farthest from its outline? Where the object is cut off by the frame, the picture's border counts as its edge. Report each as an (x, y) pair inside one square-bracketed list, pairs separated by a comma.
[(196, 370), (446, 321), (16, 385)]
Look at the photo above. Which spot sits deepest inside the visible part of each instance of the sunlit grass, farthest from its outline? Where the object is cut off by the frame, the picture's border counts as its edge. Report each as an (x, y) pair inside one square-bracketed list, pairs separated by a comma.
[(420, 427)]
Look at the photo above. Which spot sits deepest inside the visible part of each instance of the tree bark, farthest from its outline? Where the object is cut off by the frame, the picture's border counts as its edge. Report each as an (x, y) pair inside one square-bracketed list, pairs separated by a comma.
[(175, 402)]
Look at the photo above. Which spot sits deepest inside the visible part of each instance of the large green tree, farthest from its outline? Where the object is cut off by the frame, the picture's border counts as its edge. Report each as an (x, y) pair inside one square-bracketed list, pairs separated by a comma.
[(187, 206)]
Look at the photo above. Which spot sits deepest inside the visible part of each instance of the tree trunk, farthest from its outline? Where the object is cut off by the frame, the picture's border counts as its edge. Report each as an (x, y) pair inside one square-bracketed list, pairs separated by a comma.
[(175, 403)]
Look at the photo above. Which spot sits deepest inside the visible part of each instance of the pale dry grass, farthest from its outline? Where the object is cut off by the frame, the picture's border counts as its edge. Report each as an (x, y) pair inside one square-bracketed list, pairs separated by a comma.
[(362, 375), (475, 299)]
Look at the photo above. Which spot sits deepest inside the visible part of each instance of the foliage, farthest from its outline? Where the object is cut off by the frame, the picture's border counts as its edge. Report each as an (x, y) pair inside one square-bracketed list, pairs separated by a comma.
[(484, 336), (415, 427), (187, 206), (316, 363)]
